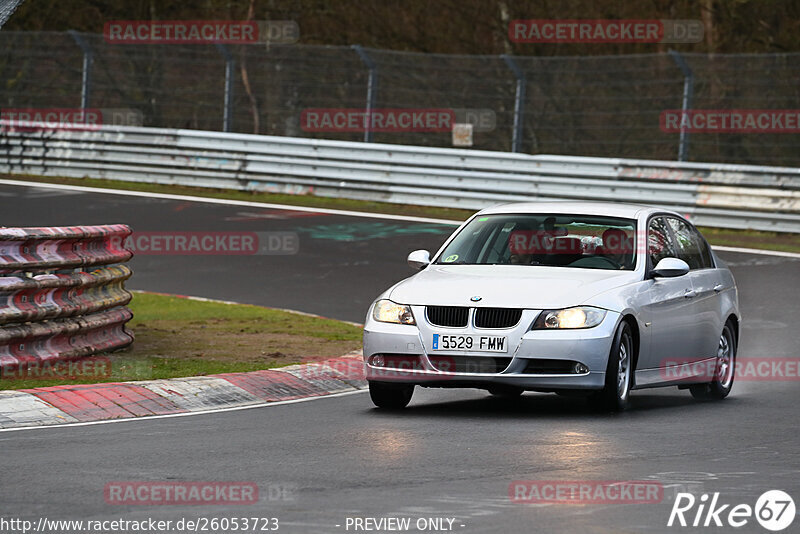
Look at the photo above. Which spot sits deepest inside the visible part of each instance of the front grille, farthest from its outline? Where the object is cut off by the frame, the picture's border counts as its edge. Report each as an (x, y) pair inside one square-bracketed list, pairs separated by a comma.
[(543, 366), (447, 315), (497, 317), (469, 364)]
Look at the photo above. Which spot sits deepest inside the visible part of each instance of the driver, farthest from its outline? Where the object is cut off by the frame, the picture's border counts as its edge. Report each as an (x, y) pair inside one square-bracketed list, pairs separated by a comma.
[(616, 247), (531, 244), (525, 242)]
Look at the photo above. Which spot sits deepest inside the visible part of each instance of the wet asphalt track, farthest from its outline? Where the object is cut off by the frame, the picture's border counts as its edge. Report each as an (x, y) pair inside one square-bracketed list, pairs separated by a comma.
[(451, 454)]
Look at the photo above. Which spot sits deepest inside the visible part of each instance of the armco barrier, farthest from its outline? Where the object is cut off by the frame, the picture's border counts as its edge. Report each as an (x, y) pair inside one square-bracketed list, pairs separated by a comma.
[(62, 293), (720, 195), (42, 249), (49, 296)]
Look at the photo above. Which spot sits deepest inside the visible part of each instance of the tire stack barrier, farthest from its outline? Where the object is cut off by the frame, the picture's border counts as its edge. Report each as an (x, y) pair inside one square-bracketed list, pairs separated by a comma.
[(62, 294)]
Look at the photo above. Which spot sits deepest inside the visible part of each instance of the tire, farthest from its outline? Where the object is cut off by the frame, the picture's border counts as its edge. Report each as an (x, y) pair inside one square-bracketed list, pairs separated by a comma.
[(615, 396), (724, 370), (505, 391), (390, 396)]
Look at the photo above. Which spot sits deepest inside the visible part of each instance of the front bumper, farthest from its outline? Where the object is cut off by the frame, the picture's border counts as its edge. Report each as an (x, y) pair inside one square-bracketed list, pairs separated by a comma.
[(590, 347)]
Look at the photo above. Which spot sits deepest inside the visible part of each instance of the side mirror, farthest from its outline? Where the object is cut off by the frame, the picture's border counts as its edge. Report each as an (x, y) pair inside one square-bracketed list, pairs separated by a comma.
[(419, 259), (670, 268)]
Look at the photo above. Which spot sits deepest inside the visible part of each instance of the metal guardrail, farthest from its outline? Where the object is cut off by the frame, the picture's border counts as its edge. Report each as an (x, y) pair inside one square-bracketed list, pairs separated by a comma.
[(62, 294), (606, 106), (718, 195)]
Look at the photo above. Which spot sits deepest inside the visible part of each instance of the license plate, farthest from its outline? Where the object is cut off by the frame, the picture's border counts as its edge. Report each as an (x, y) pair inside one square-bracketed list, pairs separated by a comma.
[(470, 343)]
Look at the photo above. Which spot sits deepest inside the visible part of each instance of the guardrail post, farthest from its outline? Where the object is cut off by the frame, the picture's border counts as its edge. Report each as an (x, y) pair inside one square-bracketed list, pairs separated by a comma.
[(519, 103), (86, 76), (686, 105), (372, 89), (227, 112)]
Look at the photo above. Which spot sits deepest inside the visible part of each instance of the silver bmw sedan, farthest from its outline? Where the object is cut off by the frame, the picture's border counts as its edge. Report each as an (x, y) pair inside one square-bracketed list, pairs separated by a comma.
[(593, 299)]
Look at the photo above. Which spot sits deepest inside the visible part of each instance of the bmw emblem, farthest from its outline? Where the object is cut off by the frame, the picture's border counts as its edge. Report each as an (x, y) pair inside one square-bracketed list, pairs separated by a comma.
[(476, 298)]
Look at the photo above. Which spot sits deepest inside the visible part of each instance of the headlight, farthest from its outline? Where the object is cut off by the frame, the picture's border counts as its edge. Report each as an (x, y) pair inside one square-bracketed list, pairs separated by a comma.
[(387, 311), (578, 317)]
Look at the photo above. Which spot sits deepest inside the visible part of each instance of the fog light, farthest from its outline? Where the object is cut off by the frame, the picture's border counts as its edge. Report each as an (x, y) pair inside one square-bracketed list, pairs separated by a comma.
[(377, 360), (579, 369)]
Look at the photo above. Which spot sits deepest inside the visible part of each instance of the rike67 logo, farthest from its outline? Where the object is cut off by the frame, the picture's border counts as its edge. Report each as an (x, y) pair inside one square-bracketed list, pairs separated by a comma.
[(774, 510)]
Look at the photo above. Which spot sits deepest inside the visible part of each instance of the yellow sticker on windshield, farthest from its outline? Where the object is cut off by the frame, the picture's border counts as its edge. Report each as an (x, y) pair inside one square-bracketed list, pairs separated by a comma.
[(451, 258)]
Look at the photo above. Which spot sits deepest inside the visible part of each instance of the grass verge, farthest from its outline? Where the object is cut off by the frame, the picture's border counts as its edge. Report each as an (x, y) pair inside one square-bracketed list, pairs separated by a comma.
[(716, 236), (178, 337)]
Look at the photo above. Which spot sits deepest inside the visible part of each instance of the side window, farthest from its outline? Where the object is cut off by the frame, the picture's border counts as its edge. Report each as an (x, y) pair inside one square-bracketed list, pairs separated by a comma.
[(705, 250), (659, 244), (691, 247)]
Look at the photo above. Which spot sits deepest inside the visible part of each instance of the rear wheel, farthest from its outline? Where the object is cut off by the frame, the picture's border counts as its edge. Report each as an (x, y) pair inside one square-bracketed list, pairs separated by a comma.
[(616, 393), (722, 383), (390, 396)]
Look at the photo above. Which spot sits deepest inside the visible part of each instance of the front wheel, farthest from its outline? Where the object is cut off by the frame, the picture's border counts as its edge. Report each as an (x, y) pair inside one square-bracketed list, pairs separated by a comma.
[(616, 393), (390, 396), (722, 383)]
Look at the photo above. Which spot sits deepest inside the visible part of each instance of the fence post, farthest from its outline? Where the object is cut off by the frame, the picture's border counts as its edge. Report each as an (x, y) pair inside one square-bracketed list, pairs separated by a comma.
[(686, 105), (86, 76), (519, 103), (372, 89), (227, 110)]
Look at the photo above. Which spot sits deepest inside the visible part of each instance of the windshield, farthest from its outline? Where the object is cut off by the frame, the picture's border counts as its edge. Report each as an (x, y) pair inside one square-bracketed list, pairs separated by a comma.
[(582, 241)]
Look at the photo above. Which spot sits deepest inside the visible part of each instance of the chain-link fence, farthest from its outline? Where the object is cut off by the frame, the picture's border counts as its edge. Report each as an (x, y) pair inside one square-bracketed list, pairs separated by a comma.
[(589, 105)]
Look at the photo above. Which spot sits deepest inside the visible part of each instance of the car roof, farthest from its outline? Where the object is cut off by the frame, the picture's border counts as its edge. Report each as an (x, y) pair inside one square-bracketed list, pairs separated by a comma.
[(610, 209)]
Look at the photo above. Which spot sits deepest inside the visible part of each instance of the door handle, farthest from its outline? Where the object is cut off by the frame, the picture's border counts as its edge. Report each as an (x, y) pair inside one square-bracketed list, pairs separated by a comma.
[(718, 288), (689, 293)]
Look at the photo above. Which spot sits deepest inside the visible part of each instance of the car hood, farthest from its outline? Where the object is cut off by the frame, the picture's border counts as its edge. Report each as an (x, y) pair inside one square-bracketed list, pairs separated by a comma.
[(508, 286)]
